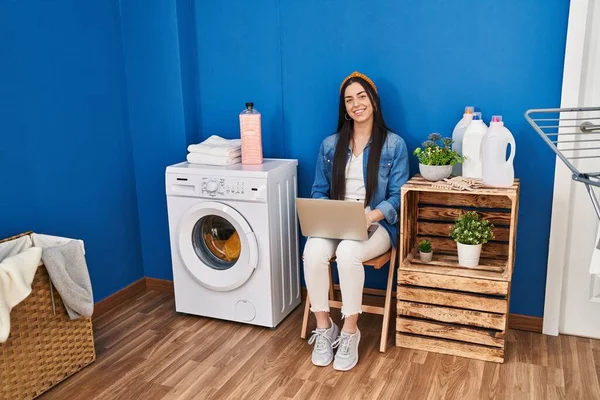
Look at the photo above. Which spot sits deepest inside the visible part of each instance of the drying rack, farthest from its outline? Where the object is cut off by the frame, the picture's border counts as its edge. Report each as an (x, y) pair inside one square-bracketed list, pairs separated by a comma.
[(574, 135)]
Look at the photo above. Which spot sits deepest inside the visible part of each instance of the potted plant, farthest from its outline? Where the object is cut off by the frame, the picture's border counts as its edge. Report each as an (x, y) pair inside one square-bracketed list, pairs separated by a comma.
[(425, 253), (470, 232), (435, 160)]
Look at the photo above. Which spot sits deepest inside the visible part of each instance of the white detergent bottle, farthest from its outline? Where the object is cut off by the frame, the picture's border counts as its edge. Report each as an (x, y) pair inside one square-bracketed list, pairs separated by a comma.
[(496, 169), (457, 136), (471, 147)]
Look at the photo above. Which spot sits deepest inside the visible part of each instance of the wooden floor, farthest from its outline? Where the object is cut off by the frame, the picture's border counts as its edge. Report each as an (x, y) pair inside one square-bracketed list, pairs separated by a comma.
[(148, 351)]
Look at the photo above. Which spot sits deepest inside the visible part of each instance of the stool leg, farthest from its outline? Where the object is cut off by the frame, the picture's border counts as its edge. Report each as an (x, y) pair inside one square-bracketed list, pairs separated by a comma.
[(305, 318), (331, 290), (388, 302)]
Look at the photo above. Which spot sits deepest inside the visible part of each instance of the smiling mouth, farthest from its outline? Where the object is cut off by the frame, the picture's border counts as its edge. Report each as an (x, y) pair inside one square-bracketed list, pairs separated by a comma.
[(359, 112)]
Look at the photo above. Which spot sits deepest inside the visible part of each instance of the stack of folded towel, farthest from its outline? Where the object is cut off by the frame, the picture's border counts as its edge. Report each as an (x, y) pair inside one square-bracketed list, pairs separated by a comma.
[(215, 151)]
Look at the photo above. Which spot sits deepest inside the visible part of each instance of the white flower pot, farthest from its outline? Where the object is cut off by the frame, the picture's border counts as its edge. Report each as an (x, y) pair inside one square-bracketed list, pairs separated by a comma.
[(468, 254), (435, 173), (426, 257)]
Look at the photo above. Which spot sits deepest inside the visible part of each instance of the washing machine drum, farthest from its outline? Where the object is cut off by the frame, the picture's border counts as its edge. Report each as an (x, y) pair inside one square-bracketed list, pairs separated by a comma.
[(217, 246)]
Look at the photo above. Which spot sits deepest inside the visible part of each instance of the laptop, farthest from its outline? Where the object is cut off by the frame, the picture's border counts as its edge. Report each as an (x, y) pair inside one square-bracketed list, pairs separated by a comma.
[(333, 219)]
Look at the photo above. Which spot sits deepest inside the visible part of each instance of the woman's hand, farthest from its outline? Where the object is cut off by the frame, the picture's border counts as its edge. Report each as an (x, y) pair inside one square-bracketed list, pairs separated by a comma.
[(374, 216)]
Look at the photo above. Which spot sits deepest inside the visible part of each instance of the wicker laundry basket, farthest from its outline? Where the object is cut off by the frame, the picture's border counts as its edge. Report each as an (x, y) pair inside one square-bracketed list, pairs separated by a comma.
[(45, 346)]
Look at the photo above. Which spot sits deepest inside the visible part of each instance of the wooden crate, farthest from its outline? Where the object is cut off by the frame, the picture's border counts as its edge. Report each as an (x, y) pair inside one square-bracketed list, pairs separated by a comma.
[(443, 307)]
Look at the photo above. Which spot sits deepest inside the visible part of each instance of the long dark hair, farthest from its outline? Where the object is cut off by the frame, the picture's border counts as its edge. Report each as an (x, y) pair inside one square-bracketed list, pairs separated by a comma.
[(345, 131)]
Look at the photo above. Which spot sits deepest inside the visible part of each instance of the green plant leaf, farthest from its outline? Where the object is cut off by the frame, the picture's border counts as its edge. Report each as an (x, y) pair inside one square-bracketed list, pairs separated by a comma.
[(470, 228), (425, 246), (435, 154)]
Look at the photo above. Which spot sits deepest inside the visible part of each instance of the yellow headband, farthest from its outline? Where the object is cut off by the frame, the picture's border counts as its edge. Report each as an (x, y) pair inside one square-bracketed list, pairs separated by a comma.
[(357, 74)]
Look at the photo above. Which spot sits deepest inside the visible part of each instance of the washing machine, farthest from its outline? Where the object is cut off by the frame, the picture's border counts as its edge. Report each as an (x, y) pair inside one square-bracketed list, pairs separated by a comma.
[(234, 240)]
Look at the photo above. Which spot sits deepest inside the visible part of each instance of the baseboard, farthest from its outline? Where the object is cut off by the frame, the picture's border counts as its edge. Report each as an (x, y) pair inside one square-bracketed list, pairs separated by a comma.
[(515, 321), (128, 292), (525, 323), (160, 285)]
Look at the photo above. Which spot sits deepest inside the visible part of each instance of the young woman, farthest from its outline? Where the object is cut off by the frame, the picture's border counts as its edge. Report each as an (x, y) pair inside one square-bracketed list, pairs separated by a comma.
[(364, 162)]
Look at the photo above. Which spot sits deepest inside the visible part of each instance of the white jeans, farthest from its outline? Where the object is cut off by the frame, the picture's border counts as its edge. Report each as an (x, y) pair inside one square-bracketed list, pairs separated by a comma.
[(350, 255)]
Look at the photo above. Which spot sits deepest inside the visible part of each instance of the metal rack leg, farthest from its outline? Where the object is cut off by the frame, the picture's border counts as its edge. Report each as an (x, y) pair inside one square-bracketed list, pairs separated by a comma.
[(594, 199)]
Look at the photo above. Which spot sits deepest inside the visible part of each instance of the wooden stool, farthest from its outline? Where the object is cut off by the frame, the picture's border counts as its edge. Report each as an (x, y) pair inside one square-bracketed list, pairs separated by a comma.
[(376, 263)]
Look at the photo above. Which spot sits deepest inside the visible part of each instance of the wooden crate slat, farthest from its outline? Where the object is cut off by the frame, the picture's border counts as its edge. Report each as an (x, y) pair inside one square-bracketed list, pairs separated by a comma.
[(428, 228), (449, 214), (407, 265), (452, 299), (417, 178), (445, 260), (412, 223), (434, 280), (448, 331), (448, 245), (450, 347), (405, 221), (452, 315), (513, 234), (417, 182), (465, 200)]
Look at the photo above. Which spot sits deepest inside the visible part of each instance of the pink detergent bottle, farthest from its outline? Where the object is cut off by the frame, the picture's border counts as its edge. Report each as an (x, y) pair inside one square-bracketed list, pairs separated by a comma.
[(250, 134)]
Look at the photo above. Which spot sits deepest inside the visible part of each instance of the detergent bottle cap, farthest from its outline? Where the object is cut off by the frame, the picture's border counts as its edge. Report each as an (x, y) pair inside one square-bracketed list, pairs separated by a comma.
[(477, 116)]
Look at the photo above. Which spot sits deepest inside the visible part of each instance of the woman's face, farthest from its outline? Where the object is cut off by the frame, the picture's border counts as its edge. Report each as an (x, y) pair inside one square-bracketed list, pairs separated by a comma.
[(358, 103)]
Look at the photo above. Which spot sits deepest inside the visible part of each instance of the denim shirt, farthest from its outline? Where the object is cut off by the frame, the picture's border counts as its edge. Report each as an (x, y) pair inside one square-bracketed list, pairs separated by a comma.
[(393, 173)]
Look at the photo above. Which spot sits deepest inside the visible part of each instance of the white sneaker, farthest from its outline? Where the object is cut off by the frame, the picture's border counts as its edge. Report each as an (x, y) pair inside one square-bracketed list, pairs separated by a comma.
[(346, 357), (322, 354)]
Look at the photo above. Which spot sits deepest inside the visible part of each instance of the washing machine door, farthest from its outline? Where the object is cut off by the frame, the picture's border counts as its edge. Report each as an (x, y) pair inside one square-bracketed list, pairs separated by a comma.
[(217, 246)]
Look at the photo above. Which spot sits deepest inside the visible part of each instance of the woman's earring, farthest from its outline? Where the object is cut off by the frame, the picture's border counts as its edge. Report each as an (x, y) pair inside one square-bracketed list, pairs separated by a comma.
[(347, 117)]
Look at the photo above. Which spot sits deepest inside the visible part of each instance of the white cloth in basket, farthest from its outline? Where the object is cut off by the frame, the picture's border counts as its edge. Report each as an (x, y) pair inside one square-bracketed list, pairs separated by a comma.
[(15, 246), (16, 275), (64, 259), (43, 241)]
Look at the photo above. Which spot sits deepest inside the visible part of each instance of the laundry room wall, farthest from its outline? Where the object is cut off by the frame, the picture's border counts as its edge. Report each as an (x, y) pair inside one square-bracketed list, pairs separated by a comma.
[(168, 56), (159, 50), (99, 97), (65, 149), (239, 60), (428, 59)]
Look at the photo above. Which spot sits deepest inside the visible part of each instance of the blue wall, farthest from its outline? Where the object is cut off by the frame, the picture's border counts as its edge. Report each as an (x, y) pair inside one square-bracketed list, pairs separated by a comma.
[(162, 111), (65, 149), (429, 60), (98, 98), (239, 60)]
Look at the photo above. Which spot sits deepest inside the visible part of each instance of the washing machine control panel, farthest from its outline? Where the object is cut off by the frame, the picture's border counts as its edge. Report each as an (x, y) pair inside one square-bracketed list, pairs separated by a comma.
[(233, 188)]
